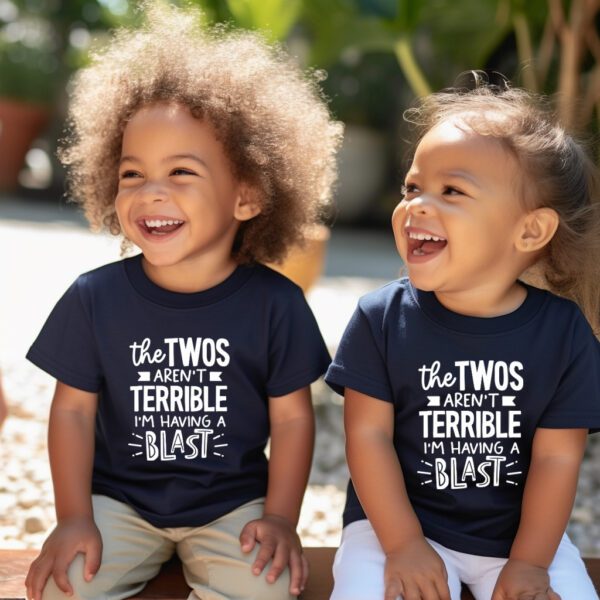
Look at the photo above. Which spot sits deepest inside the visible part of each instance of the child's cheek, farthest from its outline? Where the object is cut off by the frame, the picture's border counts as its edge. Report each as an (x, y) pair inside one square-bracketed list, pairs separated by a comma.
[(120, 209), (398, 220)]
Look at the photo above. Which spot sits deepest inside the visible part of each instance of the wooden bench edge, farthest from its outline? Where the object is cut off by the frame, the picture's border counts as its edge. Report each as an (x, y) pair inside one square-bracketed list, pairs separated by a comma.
[(170, 585)]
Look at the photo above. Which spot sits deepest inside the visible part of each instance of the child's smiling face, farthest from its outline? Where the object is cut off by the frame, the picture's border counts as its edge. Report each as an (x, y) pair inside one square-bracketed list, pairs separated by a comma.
[(178, 199), (456, 227)]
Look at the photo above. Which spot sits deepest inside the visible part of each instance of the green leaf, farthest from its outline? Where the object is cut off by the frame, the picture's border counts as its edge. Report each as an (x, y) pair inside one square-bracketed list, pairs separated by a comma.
[(274, 18), (337, 26), (387, 9), (28, 74), (400, 16), (462, 35)]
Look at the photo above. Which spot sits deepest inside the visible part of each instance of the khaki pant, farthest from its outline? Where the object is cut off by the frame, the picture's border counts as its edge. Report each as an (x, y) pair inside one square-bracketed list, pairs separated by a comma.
[(134, 550)]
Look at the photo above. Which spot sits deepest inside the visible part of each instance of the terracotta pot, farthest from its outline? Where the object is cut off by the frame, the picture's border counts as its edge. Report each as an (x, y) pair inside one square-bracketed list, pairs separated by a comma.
[(304, 265), (20, 124)]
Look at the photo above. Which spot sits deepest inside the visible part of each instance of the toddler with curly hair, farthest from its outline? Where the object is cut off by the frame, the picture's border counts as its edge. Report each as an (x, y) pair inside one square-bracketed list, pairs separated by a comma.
[(212, 153)]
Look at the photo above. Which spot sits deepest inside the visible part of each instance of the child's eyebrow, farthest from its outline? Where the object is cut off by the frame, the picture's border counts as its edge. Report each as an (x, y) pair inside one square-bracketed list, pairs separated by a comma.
[(188, 156), (460, 174)]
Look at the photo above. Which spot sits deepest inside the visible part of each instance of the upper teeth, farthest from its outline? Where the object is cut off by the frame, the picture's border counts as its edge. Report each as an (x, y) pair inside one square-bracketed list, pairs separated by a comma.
[(425, 236), (161, 223)]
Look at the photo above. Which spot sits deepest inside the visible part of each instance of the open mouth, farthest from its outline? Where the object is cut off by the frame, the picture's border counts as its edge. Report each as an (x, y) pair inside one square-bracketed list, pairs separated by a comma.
[(160, 227), (424, 244)]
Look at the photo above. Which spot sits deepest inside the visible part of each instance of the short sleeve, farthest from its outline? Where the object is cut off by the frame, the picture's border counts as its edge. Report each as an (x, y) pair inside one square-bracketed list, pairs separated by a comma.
[(65, 346), (359, 362), (297, 353), (576, 403)]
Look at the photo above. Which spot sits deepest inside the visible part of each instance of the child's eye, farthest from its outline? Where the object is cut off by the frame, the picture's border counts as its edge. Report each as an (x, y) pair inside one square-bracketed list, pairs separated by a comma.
[(452, 191), (129, 174), (182, 172), (409, 188)]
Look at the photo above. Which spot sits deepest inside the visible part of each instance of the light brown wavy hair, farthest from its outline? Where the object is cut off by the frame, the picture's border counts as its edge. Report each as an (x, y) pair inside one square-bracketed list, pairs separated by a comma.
[(271, 118), (556, 173)]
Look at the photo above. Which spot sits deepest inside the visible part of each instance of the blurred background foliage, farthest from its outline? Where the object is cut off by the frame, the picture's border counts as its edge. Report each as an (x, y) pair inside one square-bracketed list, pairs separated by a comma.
[(379, 55)]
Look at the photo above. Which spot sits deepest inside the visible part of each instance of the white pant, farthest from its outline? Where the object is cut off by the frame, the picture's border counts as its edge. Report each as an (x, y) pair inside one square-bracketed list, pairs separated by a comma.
[(359, 563)]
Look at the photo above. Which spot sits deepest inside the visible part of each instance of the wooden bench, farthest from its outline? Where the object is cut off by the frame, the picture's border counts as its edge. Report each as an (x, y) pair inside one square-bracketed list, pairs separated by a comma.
[(170, 585)]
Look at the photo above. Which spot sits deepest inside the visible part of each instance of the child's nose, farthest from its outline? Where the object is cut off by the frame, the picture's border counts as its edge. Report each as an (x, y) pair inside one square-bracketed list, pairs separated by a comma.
[(154, 191), (420, 205)]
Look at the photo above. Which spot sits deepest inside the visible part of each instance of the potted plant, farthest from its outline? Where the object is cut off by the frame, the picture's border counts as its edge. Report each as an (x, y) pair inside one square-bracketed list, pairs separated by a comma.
[(27, 83), (41, 44)]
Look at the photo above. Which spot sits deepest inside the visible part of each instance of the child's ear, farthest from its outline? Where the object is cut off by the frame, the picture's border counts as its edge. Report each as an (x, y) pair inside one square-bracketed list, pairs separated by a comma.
[(247, 205), (537, 229)]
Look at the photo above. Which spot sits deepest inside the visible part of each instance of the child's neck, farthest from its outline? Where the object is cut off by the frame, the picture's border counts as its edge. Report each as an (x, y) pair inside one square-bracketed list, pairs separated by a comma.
[(484, 301), (189, 277)]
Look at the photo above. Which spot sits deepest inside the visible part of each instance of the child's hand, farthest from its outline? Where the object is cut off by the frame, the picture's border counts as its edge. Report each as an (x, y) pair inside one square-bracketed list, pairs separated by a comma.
[(416, 571), (278, 541), (519, 580), (69, 537)]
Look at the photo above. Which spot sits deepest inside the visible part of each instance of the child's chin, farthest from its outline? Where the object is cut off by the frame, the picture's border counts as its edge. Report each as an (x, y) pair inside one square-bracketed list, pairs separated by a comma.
[(159, 260), (421, 282)]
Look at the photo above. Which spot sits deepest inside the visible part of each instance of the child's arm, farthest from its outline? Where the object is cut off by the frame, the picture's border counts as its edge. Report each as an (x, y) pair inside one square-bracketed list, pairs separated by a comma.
[(71, 449), (292, 439), (413, 568), (547, 502)]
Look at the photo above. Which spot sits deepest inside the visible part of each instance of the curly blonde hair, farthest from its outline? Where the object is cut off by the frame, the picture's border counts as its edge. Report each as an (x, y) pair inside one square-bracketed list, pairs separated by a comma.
[(272, 120), (557, 173)]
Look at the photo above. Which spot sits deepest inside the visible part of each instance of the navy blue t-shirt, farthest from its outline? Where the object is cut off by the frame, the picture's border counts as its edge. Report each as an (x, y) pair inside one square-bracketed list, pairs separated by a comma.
[(183, 382), (468, 395)]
